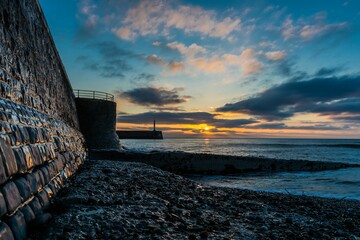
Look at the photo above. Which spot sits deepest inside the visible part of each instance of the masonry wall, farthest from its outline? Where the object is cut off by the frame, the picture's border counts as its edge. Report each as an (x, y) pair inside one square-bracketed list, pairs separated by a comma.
[(40, 142)]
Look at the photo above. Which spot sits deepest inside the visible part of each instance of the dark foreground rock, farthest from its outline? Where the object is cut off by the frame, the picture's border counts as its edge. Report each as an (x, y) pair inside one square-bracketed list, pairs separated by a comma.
[(123, 200)]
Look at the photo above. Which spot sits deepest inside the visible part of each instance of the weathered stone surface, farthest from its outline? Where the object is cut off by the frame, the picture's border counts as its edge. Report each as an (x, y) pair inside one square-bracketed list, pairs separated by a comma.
[(36, 206), (46, 174), (36, 106), (28, 157), (5, 232), (37, 159), (28, 213), (12, 196), (3, 176), (24, 188), (17, 224), (43, 199), (20, 160), (8, 158), (31, 179), (3, 208)]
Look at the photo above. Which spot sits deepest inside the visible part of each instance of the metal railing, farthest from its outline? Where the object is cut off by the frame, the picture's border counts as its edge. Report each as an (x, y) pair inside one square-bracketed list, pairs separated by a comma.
[(93, 95)]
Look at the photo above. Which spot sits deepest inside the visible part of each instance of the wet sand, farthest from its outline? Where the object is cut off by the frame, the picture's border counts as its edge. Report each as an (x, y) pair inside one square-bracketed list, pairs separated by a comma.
[(110, 199)]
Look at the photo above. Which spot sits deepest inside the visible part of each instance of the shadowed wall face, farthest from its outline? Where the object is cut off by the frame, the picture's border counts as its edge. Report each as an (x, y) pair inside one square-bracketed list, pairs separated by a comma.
[(98, 123), (40, 145)]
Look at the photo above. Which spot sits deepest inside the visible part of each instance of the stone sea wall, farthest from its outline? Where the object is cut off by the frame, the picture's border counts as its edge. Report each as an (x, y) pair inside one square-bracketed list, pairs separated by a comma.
[(40, 144)]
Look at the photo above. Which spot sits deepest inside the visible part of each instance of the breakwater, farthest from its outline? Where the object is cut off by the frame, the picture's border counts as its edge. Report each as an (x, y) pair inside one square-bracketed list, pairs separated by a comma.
[(139, 134), (40, 142)]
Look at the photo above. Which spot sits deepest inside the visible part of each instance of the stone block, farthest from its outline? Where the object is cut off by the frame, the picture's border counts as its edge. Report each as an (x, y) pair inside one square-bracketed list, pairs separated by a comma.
[(7, 127), (46, 174), (17, 224), (35, 206), (6, 138), (12, 196), (15, 135), (2, 118), (20, 160), (3, 208), (52, 151), (49, 191), (3, 177), (42, 153), (35, 152), (5, 232), (8, 158), (31, 179), (32, 134), (28, 157), (53, 187), (40, 181), (24, 188), (28, 213), (44, 199), (24, 134)]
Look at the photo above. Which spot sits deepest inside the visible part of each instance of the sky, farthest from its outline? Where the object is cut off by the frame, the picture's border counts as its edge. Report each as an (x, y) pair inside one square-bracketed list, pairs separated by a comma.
[(217, 69)]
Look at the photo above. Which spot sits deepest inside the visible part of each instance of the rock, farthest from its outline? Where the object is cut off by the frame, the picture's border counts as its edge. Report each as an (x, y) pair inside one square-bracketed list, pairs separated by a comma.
[(5, 232), (18, 225), (12, 196), (28, 213), (24, 188), (8, 158)]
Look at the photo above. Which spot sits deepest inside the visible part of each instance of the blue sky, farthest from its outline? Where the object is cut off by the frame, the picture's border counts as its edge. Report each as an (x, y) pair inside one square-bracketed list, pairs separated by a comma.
[(217, 68)]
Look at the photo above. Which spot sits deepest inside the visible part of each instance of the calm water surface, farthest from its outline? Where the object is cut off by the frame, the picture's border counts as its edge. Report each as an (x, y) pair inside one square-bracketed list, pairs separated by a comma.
[(344, 183)]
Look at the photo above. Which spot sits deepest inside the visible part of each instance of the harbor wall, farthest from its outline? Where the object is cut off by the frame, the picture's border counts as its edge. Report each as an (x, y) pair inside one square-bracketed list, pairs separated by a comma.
[(40, 142)]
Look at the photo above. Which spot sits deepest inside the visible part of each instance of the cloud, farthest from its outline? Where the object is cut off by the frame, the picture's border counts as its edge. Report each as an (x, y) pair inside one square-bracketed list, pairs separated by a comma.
[(275, 55), (213, 64), (184, 118), (151, 96), (326, 71), (300, 127), (173, 66), (309, 32), (154, 59), (159, 17), (113, 62), (326, 96), (306, 31), (267, 44), (176, 66), (288, 29), (250, 67), (246, 62), (351, 118), (124, 33), (88, 20), (188, 51), (143, 79)]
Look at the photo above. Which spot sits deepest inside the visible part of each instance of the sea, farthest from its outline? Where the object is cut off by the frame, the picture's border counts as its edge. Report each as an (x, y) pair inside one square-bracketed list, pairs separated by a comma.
[(342, 183)]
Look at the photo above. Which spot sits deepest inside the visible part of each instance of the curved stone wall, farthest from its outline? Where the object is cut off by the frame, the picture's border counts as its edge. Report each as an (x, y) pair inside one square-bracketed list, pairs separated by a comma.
[(98, 124), (40, 142)]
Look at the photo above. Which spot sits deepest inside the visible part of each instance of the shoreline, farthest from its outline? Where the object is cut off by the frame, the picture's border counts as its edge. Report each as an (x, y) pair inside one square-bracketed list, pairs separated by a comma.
[(128, 200)]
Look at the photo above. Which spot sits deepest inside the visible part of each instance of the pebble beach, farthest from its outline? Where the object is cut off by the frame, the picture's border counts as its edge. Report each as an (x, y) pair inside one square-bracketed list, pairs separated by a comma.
[(109, 199)]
